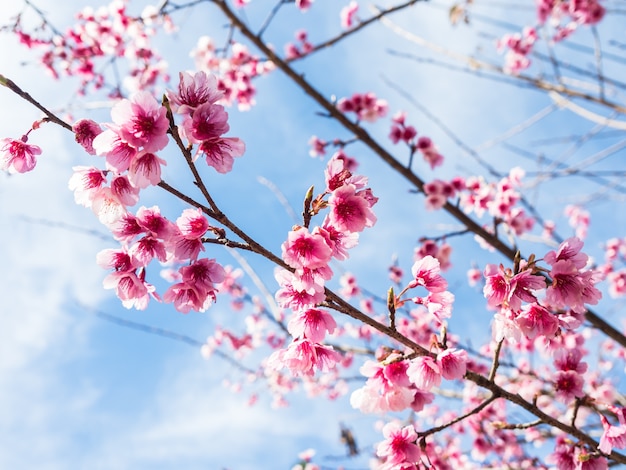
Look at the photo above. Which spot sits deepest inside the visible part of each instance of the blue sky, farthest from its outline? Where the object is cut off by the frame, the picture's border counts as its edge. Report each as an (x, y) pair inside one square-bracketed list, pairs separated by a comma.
[(77, 391)]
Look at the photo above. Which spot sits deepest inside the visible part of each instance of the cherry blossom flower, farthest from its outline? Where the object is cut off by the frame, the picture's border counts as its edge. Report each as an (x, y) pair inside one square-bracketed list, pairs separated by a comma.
[(145, 170), (305, 249), (453, 363), (289, 296), (303, 357), (204, 274), (339, 242), (350, 210), (569, 359), (426, 274), (429, 152), (85, 131), (192, 223), (151, 221), (318, 147), (568, 385), (566, 288), (194, 90), (186, 297), (387, 388), (612, 436), (142, 121), (132, 290), (617, 283), (16, 156), (118, 259), (85, 182), (399, 446), (424, 372), (304, 5), (348, 13), (366, 106), (312, 324), (569, 250), (118, 153), (107, 206), (535, 320), (209, 121), (124, 190), (220, 153)]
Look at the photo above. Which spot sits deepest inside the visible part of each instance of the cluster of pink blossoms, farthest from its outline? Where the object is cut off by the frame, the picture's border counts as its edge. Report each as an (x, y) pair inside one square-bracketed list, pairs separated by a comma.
[(139, 129), (308, 254), (530, 306), (106, 33), (499, 199), (295, 51), (519, 48), (402, 132), (565, 16), (234, 70), (613, 267), (366, 106), (587, 12), (396, 384)]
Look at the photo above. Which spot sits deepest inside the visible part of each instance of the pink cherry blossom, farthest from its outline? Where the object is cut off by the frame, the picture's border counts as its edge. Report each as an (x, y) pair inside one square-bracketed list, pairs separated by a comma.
[(131, 290), (521, 287), (204, 275), (304, 5), (220, 153), (124, 190), (118, 152), (151, 221), (194, 90), (117, 259), (16, 156), (566, 288), (107, 206), (349, 210), (348, 13), (426, 274), (424, 372), (145, 170), (303, 249), (399, 446), (142, 121), (569, 250), (312, 324), (209, 121), (453, 363), (617, 283), (192, 223), (569, 359), (612, 436), (318, 147), (147, 248), (85, 131), (186, 297), (289, 296), (339, 242), (535, 320), (85, 182), (568, 385), (303, 357)]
